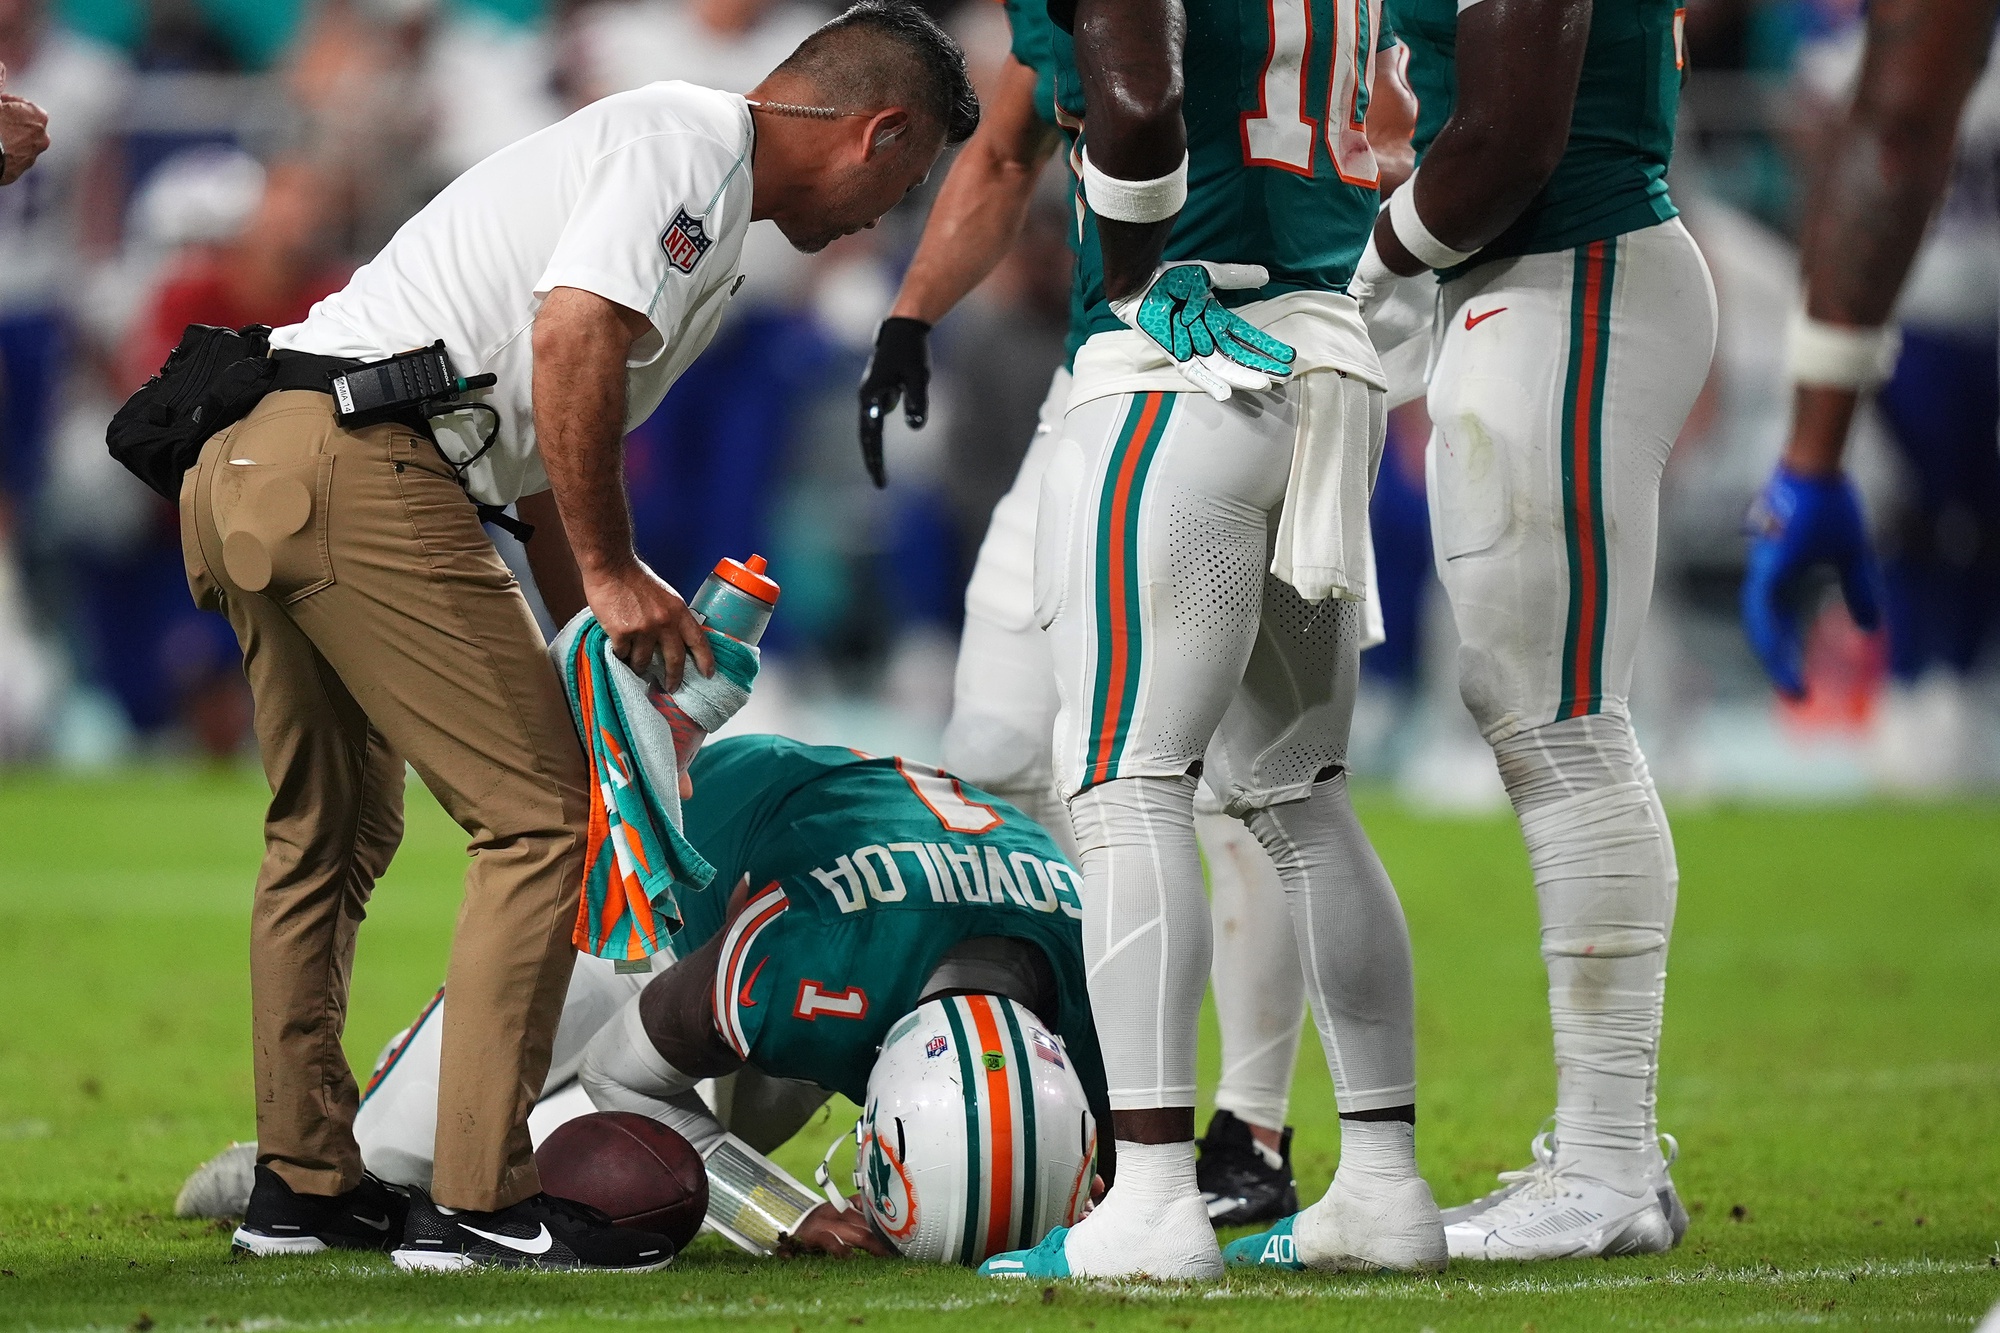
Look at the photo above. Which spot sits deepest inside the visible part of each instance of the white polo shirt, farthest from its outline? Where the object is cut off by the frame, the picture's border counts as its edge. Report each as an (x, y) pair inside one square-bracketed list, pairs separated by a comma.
[(641, 198)]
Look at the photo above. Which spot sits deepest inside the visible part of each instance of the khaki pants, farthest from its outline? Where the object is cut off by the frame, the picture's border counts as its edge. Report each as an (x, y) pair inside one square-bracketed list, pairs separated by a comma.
[(377, 625)]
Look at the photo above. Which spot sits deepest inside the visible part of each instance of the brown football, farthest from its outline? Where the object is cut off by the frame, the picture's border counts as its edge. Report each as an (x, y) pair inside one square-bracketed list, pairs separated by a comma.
[(637, 1170)]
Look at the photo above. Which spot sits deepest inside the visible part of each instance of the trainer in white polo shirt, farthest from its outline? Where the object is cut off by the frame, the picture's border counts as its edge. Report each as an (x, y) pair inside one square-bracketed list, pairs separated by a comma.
[(583, 268), (641, 199)]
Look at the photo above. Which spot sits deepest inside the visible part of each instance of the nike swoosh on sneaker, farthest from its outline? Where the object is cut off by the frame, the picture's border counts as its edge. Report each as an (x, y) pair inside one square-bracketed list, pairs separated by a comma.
[(538, 1243), (382, 1225)]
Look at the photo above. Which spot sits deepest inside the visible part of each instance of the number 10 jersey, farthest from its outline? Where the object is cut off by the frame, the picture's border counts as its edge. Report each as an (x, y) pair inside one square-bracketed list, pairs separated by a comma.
[(1279, 169)]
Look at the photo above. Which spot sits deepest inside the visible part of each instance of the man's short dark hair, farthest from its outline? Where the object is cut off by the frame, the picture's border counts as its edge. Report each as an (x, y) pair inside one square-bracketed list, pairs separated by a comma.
[(845, 61)]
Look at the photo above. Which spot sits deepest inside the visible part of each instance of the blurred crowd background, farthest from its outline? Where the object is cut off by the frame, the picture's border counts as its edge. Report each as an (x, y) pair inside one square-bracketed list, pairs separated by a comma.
[(231, 161)]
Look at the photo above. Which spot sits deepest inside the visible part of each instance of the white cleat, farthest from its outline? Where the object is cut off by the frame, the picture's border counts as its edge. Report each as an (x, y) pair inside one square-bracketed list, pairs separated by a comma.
[(220, 1187), (1543, 1146), (1364, 1223), (1556, 1213), (1670, 1199), (1544, 1149)]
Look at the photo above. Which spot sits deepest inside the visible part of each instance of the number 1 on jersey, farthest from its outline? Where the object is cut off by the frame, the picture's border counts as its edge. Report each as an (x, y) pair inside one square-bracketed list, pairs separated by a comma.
[(1280, 133)]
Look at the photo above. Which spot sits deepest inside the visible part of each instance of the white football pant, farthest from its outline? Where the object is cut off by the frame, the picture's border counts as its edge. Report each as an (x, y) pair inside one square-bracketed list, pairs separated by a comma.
[(1561, 383), (1000, 738), (1177, 653)]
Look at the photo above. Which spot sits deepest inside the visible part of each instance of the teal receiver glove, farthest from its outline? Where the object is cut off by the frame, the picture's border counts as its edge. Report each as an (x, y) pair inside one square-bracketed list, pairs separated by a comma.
[(1217, 351)]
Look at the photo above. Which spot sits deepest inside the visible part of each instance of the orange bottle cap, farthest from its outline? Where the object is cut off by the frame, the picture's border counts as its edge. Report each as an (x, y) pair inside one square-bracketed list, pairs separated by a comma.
[(748, 576)]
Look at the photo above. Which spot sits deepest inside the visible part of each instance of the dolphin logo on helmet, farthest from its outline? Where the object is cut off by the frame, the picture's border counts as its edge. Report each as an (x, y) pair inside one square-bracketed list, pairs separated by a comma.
[(986, 1150)]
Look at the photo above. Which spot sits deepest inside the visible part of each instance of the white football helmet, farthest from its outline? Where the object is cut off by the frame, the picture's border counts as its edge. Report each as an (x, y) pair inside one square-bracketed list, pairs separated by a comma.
[(976, 1137)]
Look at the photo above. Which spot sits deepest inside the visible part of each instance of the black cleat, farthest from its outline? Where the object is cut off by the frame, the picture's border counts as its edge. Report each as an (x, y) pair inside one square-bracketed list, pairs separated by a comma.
[(280, 1220), (1238, 1182), (538, 1232)]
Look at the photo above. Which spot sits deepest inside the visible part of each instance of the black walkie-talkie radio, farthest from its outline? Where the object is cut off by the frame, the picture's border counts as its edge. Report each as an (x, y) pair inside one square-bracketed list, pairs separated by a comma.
[(413, 387), (417, 383)]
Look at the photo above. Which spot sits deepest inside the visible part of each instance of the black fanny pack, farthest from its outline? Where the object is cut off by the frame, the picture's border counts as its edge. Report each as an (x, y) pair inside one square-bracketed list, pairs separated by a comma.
[(210, 381)]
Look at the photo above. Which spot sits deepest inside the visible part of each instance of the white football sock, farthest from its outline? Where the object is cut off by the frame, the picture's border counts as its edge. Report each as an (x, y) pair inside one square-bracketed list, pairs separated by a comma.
[(1384, 1150), (1353, 946), (1260, 998), (1605, 882), (1378, 1213), (1152, 1221), (1145, 935)]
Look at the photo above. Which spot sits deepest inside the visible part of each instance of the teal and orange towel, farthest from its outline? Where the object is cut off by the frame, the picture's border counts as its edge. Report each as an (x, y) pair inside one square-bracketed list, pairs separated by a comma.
[(636, 863)]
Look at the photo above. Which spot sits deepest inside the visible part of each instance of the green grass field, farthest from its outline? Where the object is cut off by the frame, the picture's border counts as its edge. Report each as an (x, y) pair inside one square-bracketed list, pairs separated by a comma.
[(1832, 1071)]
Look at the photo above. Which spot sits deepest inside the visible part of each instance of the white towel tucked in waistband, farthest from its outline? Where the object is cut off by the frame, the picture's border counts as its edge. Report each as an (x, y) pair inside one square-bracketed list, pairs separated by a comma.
[(1323, 537)]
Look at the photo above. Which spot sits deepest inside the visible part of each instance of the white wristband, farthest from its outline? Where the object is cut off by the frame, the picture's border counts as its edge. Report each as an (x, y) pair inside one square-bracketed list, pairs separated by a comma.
[(1415, 236), (1838, 356), (1134, 201)]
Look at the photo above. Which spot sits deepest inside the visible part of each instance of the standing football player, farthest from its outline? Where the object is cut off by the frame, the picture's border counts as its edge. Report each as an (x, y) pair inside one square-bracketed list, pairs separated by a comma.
[(1577, 323), (1890, 160), (1004, 698), (1201, 556)]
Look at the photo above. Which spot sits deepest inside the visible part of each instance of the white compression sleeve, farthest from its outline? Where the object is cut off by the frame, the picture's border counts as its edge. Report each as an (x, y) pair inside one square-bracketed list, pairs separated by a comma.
[(1605, 881), (1260, 997), (1145, 935), (1353, 945)]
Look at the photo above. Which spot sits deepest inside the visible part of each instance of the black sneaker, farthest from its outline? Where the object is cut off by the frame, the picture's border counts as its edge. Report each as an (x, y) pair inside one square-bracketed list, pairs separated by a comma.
[(540, 1232), (1238, 1182), (280, 1220)]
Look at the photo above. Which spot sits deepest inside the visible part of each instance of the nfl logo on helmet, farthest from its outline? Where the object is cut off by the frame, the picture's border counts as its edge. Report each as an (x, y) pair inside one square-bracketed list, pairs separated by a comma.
[(685, 241)]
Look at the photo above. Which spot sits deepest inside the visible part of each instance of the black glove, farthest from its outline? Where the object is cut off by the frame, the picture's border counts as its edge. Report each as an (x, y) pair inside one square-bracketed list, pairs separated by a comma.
[(899, 369)]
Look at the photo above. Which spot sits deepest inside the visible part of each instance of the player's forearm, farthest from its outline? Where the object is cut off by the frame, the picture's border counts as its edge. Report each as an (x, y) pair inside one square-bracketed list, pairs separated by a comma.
[(579, 395), (1518, 66), (1891, 157), (1128, 54), (1886, 171), (982, 204)]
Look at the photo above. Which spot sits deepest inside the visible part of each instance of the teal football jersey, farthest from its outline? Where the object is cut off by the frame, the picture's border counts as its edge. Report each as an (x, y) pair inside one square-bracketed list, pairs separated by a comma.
[(1279, 169), (1613, 175), (863, 873)]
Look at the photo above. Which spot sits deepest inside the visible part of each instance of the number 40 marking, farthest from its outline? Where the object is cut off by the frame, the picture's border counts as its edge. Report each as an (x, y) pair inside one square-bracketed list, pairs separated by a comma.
[(1280, 133)]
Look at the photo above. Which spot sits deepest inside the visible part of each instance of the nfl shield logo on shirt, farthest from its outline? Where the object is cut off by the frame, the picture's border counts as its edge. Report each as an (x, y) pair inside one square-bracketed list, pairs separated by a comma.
[(685, 242)]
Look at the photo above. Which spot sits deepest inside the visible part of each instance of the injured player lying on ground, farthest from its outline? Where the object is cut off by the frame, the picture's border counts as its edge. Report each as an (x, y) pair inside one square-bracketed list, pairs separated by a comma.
[(892, 935)]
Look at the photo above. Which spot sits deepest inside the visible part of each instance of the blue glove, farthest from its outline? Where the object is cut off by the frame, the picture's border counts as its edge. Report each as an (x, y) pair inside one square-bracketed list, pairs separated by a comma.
[(1799, 522), (1217, 350)]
